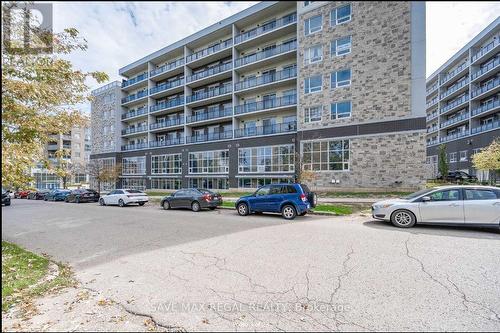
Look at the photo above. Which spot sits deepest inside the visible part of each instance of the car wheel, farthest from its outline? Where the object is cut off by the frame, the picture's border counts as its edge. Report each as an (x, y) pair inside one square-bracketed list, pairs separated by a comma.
[(7, 203), (141, 203), (101, 202), (166, 205), (121, 203), (66, 200), (195, 206), (242, 209), (288, 212), (403, 219), (211, 208)]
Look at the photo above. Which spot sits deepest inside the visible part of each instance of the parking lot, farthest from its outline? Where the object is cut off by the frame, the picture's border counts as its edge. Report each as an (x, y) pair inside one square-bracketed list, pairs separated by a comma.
[(215, 270)]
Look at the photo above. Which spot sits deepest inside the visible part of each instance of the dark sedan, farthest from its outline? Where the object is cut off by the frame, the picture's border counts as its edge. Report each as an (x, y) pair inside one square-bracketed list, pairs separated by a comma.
[(57, 195), (194, 199), (5, 197), (38, 195), (82, 195)]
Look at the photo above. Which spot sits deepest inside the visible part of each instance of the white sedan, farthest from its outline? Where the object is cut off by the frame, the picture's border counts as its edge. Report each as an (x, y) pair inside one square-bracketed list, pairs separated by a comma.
[(448, 205), (124, 197)]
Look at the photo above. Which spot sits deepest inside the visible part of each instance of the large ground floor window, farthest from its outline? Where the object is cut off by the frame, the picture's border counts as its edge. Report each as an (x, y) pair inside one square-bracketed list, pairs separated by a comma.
[(134, 183), (134, 165), (166, 164), (166, 183), (209, 183), (267, 159), (251, 182), (328, 155), (216, 161), (46, 180)]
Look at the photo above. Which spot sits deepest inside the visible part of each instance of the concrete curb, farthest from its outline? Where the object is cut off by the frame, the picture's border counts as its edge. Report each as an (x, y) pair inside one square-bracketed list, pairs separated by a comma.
[(312, 213)]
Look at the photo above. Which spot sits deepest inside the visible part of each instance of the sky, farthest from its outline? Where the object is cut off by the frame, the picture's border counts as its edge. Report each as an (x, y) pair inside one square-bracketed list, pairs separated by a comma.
[(119, 33)]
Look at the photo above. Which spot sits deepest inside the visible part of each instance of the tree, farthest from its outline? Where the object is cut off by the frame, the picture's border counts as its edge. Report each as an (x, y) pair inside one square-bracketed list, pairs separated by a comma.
[(39, 91), (303, 176), (62, 165), (103, 173), (488, 158), (443, 166)]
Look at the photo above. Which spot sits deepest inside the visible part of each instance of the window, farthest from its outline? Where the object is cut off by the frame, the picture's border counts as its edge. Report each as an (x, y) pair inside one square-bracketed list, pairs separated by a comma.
[(463, 156), (134, 183), (341, 46), (313, 24), (134, 165), (313, 54), (340, 15), (266, 159), (312, 114), (216, 161), (446, 195), (166, 183), (166, 164), (263, 191), (329, 155), (453, 157), (313, 84), (340, 110), (341, 78), (209, 183), (480, 194), (260, 181)]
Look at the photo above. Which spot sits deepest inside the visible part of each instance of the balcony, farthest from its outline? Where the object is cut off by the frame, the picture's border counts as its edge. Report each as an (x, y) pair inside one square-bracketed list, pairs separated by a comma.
[(210, 50), (271, 26), (486, 107), (167, 67), (432, 129), (266, 79), (454, 88), (266, 105), (134, 130), (136, 96), (486, 69), (135, 80), (454, 72), (432, 142), (166, 86), (135, 146), (227, 112), (210, 137), (454, 136), (486, 49), (486, 127), (454, 120), (223, 90), (266, 130), (53, 146), (165, 143), (167, 123), (280, 49), (456, 103), (173, 103), (135, 113), (433, 102), (432, 116), (432, 89), (210, 72), (486, 88)]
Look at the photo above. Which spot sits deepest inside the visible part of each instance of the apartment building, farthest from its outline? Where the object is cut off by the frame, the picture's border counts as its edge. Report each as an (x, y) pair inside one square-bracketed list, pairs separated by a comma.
[(463, 104), (333, 88)]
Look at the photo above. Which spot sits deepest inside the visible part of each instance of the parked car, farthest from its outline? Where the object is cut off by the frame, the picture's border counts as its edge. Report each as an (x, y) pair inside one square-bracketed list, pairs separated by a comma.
[(57, 195), (458, 176), (5, 197), (192, 198), (37, 195), (288, 199), (23, 194), (464, 205), (82, 195), (124, 197)]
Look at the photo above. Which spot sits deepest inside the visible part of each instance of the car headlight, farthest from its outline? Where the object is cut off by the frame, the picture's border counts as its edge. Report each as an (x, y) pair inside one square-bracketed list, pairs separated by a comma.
[(383, 206)]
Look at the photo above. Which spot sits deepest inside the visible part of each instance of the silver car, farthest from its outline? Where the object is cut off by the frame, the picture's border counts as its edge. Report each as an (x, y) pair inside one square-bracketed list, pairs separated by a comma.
[(447, 205)]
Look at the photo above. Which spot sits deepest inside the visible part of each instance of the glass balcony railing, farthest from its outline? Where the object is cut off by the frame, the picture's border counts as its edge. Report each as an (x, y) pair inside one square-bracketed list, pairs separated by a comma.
[(432, 88), (136, 146), (283, 48), (432, 142), (135, 113), (167, 105), (166, 86), (431, 103), (225, 89), (454, 120), (489, 86), (454, 72), (136, 79), (432, 129), (266, 79), (485, 49), (454, 88), (133, 97), (486, 127), (486, 107), (454, 136), (210, 115), (167, 123), (164, 143), (454, 103), (267, 104), (211, 71), (132, 130), (210, 50), (486, 68), (270, 26), (432, 116), (266, 130), (167, 67), (210, 137)]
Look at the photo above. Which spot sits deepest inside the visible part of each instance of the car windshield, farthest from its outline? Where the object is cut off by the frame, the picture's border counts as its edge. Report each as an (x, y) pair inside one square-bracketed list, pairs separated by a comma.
[(134, 191), (417, 194)]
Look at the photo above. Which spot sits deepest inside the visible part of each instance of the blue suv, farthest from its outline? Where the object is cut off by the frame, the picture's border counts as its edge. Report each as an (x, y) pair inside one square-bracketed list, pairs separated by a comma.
[(288, 199)]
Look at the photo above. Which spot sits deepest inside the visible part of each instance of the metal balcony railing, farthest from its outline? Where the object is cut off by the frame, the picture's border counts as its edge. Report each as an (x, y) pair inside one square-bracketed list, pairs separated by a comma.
[(136, 79), (164, 143), (454, 88), (167, 67), (210, 137), (166, 86), (266, 79), (167, 105), (454, 72), (210, 115), (454, 103), (140, 94), (210, 50), (167, 123), (486, 107), (485, 49), (491, 85), (135, 146), (266, 130), (432, 88), (283, 48), (267, 104), (225, 89), (454, 120), (486, 68), (135, 113), (209, 72), (432, 116), (132, 130), (270, 26), (486, 127), (454, 136)]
